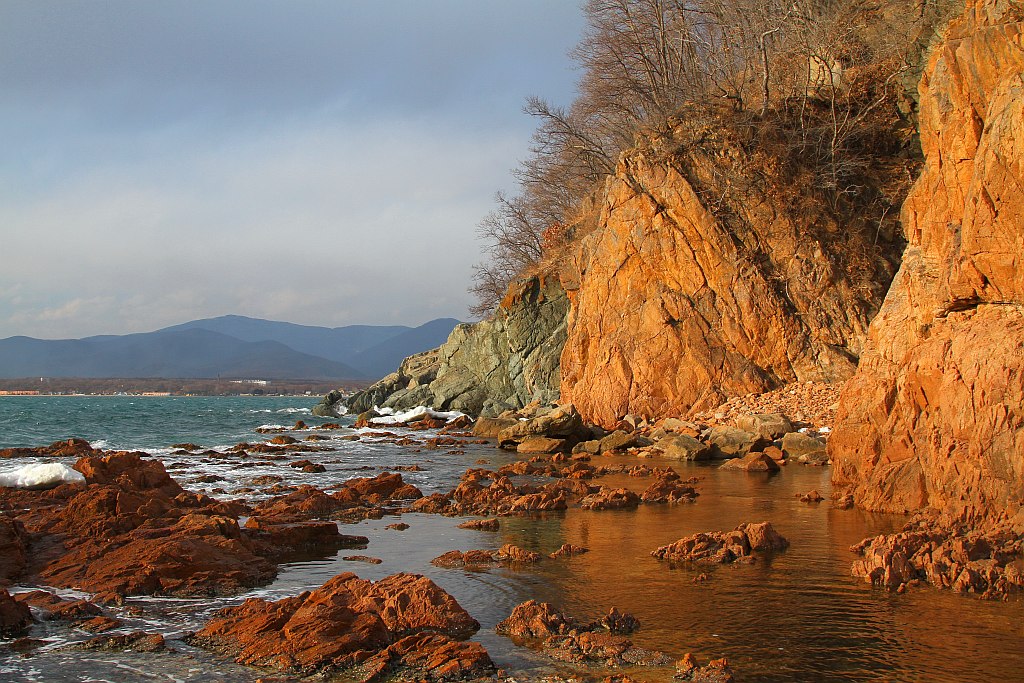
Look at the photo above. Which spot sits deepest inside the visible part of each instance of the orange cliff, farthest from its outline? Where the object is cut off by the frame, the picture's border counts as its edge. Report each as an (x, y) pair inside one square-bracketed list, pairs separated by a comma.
[(700, 284), (934, 416)]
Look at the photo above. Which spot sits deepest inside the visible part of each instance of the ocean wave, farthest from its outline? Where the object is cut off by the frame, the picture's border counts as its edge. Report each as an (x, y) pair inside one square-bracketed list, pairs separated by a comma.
[(306, 411)]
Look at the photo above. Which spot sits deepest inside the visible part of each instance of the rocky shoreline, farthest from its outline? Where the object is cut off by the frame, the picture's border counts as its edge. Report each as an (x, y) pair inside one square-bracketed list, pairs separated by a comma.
[(131, 529)]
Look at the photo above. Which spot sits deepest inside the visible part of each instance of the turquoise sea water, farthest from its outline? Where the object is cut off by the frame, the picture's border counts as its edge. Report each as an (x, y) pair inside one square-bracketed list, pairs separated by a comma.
[(145, 422)]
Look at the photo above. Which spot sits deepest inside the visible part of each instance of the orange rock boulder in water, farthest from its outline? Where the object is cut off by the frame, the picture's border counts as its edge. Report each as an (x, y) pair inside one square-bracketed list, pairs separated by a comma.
[(934, 416), (344, 623)]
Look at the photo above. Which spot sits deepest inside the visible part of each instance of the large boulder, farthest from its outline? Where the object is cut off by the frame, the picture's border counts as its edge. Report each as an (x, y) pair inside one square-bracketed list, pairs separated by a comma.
[(684, 447), (563, 422), (719, 547), (339, 625), (934, 416), (729, 442), (768, 426)]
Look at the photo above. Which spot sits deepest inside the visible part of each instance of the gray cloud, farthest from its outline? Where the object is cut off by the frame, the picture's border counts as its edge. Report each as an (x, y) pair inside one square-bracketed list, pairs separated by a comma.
[(319, 162)]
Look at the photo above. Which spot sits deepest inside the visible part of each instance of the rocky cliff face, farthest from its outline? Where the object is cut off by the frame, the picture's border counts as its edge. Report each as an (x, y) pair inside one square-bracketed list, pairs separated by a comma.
[(488, 367), (695, 288), (935, 413)]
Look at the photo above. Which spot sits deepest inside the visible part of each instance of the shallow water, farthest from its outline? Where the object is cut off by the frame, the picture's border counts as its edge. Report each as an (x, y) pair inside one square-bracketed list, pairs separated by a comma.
[(796, 616)]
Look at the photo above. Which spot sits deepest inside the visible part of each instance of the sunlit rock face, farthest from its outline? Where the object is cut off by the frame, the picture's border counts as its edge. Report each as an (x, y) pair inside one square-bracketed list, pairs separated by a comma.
[(681, 302), (933, 416)]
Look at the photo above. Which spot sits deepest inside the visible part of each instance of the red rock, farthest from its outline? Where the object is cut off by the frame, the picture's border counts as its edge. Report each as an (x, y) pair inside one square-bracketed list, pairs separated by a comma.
[(723, 546), (275, 536), (284, 440), (481, 525), (934, 417), (362, 558), (716, 671), (810, 497), (128, 471), (13, 549), (434, 657), (568, 550), (515, 554), (15, 617), (338, 625), (307, 466), (533, 619), (398, 526), (610, 499), (666, 490), (57, 608)]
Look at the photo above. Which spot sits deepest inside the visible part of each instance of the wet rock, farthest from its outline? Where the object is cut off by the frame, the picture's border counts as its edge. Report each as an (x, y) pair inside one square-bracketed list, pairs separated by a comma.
[(432, 657), (375, 490), (283, 440), (669, 490), (619, 622), (15, 616), (398, 526), (139, 641), (516, 555), (55, 608), (810, 497), (568, 550), (684, 447), (533, 620), (339, 625), (767, 426), (362, 558), (14, 543), (307, 466), (930, 549), (481, 525), (128, 471), (752, 462), (454, 559), (715, 671), (562, 637), (278, 537), (719, 547), (610, 499), (541, 444)]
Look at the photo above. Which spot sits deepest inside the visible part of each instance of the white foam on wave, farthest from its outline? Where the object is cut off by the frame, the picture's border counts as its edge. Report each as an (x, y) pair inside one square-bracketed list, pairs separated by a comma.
[(295, 410), (100, 444), (41, 476), (390, 417)]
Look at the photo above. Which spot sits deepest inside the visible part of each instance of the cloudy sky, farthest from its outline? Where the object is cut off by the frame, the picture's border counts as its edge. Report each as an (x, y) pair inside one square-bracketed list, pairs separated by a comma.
[(323, 162)]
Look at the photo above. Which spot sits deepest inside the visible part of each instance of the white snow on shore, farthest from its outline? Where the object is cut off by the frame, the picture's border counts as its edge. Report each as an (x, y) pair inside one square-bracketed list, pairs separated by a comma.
[(390, 417), (41, 476)]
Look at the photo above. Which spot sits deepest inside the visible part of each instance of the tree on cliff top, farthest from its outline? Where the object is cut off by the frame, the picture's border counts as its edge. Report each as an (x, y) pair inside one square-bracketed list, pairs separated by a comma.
[(821, 77)]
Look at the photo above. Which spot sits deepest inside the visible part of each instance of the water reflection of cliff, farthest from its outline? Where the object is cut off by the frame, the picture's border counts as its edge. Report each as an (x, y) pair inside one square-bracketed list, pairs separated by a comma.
[(798, 615)]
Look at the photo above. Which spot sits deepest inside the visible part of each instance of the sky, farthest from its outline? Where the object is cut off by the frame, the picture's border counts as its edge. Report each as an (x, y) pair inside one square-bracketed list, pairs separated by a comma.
[(323, 162)]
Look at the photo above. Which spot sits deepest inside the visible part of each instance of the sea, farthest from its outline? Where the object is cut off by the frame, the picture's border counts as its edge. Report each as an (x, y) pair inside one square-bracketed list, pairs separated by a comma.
[(796, 616)]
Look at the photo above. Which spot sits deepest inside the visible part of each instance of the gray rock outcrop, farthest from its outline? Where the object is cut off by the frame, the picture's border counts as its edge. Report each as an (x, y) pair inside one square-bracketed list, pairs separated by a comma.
[(488, 367)]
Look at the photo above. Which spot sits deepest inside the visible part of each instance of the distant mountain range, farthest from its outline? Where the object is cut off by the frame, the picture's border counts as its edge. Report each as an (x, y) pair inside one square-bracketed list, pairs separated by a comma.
[(228, 346)]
